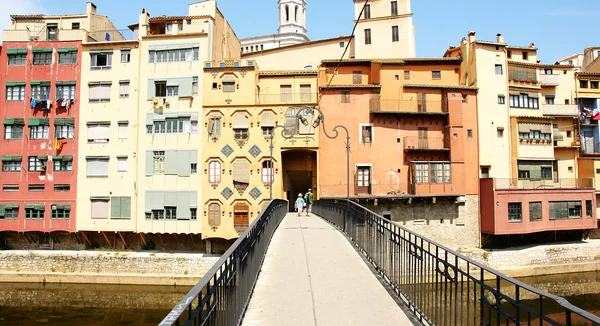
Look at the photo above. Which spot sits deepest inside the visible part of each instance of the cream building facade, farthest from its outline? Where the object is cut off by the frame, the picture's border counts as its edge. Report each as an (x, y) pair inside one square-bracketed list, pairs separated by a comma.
[(107, 181)]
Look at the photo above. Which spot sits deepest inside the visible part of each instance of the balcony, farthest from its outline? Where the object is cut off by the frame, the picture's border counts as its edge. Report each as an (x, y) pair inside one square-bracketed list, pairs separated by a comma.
[(527, 184), (560, 110), (287, 98), (425, 144), (407, 107), (549, 79)]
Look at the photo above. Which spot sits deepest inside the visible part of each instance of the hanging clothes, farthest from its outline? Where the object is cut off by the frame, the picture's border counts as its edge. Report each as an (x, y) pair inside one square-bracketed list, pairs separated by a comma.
[(48, 105), (33, 103)]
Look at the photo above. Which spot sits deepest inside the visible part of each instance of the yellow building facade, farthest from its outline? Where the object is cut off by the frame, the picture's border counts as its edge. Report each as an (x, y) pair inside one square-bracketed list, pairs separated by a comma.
[(243, 108)]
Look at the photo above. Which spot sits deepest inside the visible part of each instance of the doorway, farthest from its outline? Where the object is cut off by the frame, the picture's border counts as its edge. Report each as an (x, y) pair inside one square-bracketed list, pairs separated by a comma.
[(363, 180), (299, 174), (588, 142)]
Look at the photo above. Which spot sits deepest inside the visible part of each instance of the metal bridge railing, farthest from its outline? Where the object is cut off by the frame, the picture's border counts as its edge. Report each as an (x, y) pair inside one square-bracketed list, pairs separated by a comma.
[(222, 295), (441, 286)]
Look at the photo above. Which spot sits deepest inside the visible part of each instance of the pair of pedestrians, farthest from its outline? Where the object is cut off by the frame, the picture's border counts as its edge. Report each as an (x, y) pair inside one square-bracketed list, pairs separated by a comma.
[(305, 203)]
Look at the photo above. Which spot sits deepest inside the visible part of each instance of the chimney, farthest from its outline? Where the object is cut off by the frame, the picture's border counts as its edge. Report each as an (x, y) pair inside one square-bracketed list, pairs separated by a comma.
[(144, 23), (90, 8), (499, 38), (532, 45), (471, 36)]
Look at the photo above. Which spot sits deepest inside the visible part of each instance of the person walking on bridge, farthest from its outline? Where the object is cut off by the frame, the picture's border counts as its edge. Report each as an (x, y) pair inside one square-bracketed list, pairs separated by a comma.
[(308, 199), (300, 204)]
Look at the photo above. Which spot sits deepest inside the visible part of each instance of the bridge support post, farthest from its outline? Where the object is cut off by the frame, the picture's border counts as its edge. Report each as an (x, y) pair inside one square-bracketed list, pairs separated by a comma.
[(208, 246)]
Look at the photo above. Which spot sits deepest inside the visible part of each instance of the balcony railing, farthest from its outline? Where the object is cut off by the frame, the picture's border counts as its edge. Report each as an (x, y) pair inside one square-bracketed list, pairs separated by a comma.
[(549, 79), (429, 143), (407, 106), (563, 110), (66, 35), (529, 184), (287, 98)]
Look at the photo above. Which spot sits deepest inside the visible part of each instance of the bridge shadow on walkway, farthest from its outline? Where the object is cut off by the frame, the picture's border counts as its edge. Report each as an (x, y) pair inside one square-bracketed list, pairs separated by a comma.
[(312, 275)]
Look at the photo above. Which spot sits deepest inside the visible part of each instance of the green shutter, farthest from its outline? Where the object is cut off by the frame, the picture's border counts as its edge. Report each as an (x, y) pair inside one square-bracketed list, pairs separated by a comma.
[(19, 121), (101, 51), (59, 121), (66, 82), (6, 158), (35, 83), (115, 207), (9, 121), (70, 121), (67, 207), (151, 89), (39, 207), (170, 161), (65, 50), (13, 206), (33, 122), (185, 86), (44, 121), (15, 83), (67, 158), (42, 157), (16, 51), (2, 210), (149, 163), (44, 83), (183, 205), (184, 168), (126, 207), (29, 206), (40, 50), (57, 158)]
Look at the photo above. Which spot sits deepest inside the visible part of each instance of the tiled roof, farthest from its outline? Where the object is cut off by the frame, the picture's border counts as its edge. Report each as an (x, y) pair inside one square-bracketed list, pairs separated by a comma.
[(491, 43), (41, 16), (432, 59), (440, 86), (538, 65), (172, 18), (521, 47), (286, 72), (583, 73), (351, 60), (350, 86)]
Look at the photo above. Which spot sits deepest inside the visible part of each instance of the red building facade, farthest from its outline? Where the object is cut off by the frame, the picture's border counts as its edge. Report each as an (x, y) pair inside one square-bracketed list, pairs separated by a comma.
[(40, 113)]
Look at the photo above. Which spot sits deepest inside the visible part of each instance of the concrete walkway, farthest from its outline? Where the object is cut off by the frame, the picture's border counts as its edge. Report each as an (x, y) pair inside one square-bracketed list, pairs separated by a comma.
[(313, 276)]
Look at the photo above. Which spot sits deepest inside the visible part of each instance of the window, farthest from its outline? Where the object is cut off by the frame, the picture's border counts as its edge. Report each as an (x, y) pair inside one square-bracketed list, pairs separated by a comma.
[(124, 89), (172, 90), (501, 99), (366, 134), (214, 172), (524, 175), (499, 70), (367, 36), (34, 212), (345, 96), (569, 133), (158, 214), (122, 164), (11, 212), (41, 92), (214, 215), (523, 101), (60, 212), (170, 213), (407, 75), (159, 162), (367, 12), (357, 77), (305, 93), (547, 71), (62, 188), (38, 132), (193, 214), (464, 98), (267, 131), (560, 210), (485, 171), (97, 166), (394, 9), (18, 59), (469, 133), (10, 188), (436, 74), (546, 173), (67, 57), (583, 84), (66, 92), (175, 55), (285, 93), (65, 132), (42, 58), (267, 172), (11, 163), (14, 131), (509, 54), (241, 173), (52, 32), (180, 25), (515, 213), (15, 93), (100, 92), (342, 45), (228, 86), (588, 208), (240, 134), (500, 132), (75, 25), (525, 55), (125, 56), (98, 132), (62, 164), (100, 208), (37, 163), (395, 34), (594, 84), (174, 125), (195, 85), (123, 130), (160, 89), (550, 100), (37, 187), (101, 61), (431, 173), (240, 217), (214, 126), (535, 211)]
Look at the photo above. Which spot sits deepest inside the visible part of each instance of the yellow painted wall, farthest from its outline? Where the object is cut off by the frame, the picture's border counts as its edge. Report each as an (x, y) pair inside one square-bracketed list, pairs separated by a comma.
[(118, 183), (567, 163)]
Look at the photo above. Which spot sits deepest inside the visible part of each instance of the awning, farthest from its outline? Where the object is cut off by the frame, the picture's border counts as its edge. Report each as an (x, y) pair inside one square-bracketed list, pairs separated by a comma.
[(99, 198), (101, 51), (63, 207), (65, 50), (100, 83), (36, 207), (66, 82), (42, 157), (39, 50), (8, 158), (267, 119), (240, 121), (15, 83), (41, 83), (9, 121), (16, 51), (228, 79)]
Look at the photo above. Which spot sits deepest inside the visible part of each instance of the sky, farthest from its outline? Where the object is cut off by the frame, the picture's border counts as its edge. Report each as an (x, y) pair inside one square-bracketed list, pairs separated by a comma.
[(557, 28)]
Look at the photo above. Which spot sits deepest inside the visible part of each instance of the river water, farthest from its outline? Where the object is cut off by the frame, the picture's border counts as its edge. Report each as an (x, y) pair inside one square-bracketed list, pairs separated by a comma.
[(83, 304)]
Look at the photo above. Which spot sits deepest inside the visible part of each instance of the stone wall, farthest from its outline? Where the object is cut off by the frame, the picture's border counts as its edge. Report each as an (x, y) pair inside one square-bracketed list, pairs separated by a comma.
[(104, 267), (446, 221)]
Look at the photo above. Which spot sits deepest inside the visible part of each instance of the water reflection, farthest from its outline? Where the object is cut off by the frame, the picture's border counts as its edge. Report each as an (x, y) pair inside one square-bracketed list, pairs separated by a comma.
[(85, 304)]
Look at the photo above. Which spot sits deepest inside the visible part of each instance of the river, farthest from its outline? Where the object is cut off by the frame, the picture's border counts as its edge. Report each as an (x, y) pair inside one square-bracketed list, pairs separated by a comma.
[(83, 304)]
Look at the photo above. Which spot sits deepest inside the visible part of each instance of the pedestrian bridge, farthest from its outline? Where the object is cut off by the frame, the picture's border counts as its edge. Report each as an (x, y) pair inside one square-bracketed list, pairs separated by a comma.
[(346, 265)]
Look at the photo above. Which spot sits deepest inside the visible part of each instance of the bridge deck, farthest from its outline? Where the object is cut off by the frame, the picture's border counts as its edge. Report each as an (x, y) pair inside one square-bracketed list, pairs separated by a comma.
[(313, 276)]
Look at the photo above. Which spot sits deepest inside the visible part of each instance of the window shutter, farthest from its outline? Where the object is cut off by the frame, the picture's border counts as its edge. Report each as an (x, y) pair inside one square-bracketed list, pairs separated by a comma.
[(184, 168), (241, 121), (149, 163), (524, 127), (104, 131), (115, 207), (148, 202), (183, 205), (109, 60), (151, 89), (194, 156), (158, 200), (125, 206), (170, 161), (241, 171), (123, 130), (267, 119), (171, 198), (185, 86), (211, 127), (194, 116), (149, 119)]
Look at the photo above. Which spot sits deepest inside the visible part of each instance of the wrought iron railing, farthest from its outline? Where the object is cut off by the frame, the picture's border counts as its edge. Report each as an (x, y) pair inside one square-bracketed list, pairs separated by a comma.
[(442, 286), (222, 295)]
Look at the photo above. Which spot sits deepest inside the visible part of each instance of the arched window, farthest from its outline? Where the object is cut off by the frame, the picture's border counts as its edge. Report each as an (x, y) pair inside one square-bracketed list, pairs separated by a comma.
[(214, 215), (214, 172), (287, 13), (241, 218), (267, 172), (296, 14)]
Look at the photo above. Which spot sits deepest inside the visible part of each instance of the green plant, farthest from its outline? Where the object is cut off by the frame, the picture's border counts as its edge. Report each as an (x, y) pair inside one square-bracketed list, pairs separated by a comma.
[(185, 273), (95, 245), (486, 256), (53, 270)]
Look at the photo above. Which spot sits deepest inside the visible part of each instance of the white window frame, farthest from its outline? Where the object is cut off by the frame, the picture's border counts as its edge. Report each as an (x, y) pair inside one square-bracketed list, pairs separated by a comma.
[(121, 164), (103, 173), (123, 130), (360, 132)]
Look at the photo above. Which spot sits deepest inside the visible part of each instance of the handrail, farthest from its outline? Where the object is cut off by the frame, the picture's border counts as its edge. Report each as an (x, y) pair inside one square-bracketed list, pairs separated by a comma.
[(440, 285), (222, 295)]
